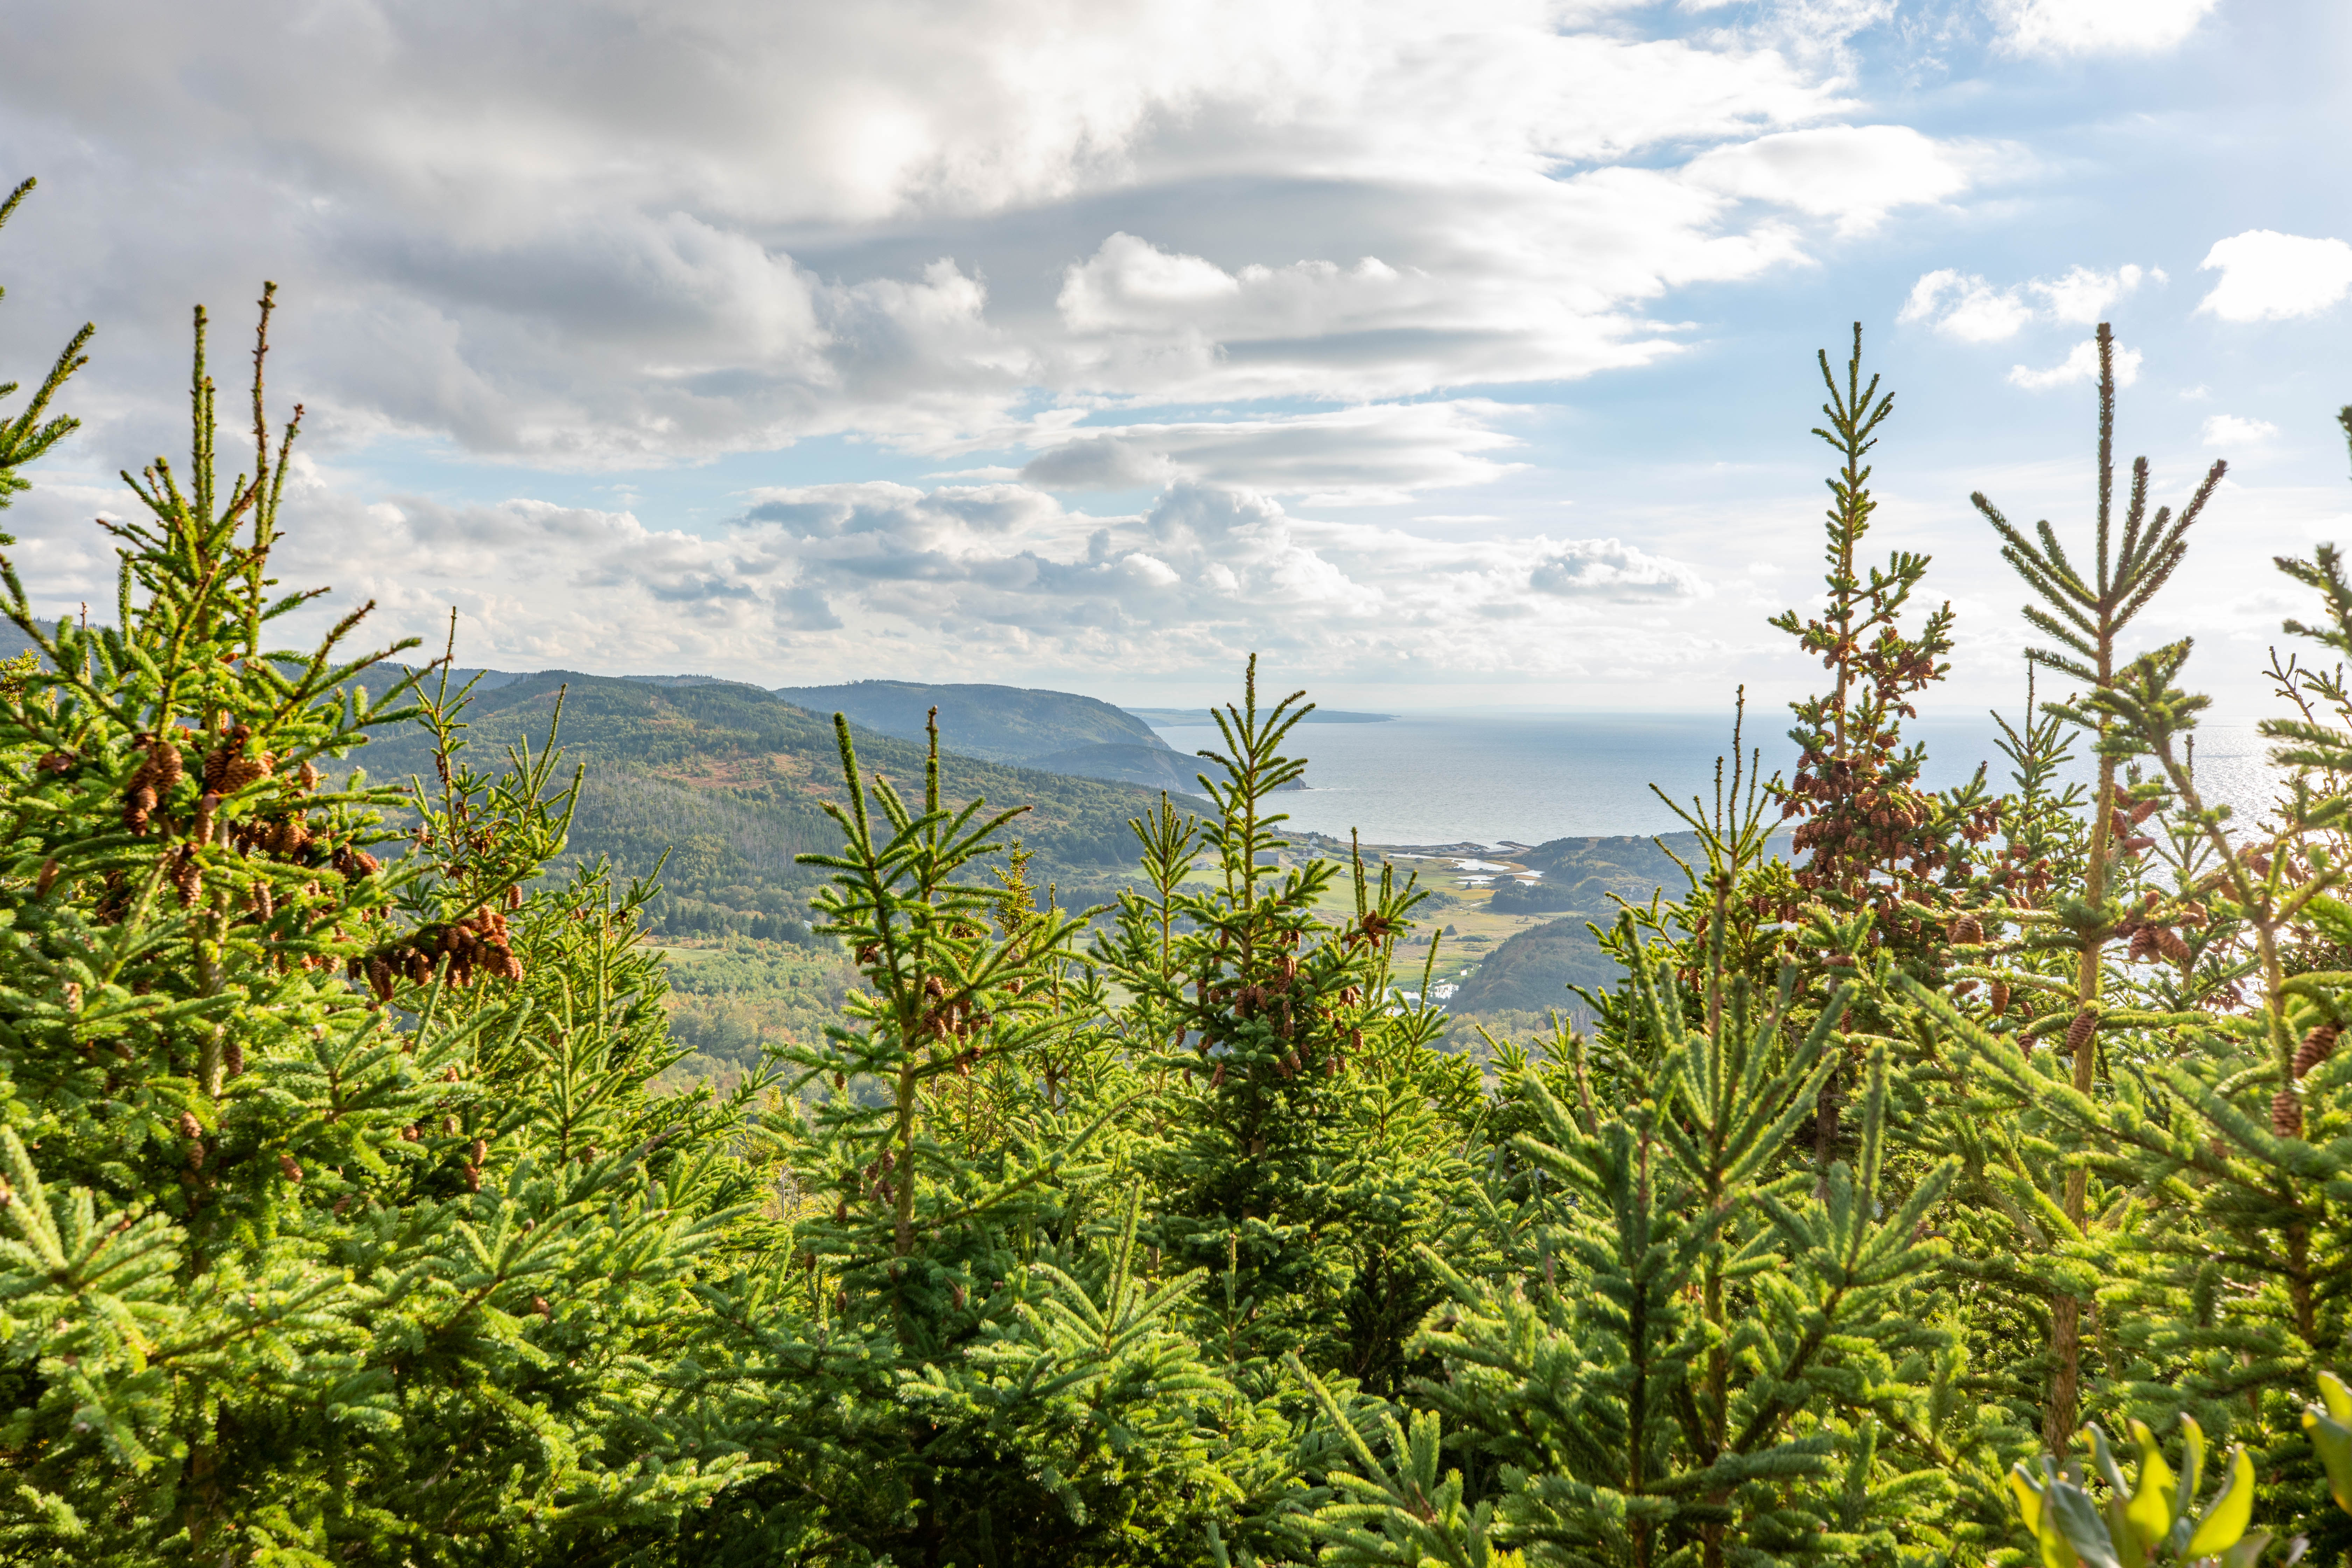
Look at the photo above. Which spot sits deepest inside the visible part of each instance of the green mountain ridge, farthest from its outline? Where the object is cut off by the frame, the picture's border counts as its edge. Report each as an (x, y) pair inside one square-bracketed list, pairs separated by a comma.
[(997, 723), (727, 781)]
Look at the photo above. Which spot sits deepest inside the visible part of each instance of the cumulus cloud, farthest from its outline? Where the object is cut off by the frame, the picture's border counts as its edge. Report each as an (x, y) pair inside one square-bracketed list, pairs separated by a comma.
[(2228, 430), (1608, 567), (1964, 306), (2080, 365), (844, 580), (2097, 27), (2272, 277), (1854, 173)]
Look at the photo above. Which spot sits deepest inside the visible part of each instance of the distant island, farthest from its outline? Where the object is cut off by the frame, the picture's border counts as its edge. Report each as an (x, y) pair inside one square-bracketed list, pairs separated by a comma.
[(1202, 716)]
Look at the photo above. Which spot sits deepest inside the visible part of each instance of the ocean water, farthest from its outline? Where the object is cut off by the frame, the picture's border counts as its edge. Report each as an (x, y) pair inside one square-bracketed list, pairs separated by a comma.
[(1432, 778)]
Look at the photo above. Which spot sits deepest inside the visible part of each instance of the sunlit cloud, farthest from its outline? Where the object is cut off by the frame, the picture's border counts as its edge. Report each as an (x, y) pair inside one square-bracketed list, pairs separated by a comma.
[(2272, 277)]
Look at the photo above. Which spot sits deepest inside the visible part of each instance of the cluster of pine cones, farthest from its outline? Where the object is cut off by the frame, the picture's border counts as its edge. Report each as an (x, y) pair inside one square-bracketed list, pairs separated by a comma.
[(286, 834), (474, 946)]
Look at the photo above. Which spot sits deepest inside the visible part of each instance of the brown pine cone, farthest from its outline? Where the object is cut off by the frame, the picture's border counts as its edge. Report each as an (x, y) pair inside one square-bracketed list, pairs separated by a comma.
[(2000, 997), (188, 878), (2286, 1113), (2318, 1047), (2173, 945), (2143, 944), (219, 760), (286, 1164), (379, 974), (162, 767), (1967, 931), (243, 771), (136, 806), (2079, 1032)]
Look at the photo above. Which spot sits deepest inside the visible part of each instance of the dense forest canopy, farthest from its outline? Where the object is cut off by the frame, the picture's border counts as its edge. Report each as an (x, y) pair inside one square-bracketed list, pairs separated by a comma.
[(1969, 1185)]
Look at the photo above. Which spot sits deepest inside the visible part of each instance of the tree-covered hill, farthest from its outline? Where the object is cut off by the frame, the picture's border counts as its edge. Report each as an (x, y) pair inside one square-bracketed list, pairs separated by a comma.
[(1000, 723), (1579, 875), (1533, 971), (727, 779)]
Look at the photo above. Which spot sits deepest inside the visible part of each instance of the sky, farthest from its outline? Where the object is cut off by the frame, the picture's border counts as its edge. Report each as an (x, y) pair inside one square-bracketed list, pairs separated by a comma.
[(1450, 355)]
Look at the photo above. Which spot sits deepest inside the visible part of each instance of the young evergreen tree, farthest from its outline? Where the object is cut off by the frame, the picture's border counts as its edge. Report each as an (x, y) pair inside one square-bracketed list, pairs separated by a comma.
[(1306, 1145), (2085, 616), (967, 1359), (1873, 840), (294, 1269), (1696, 1353)]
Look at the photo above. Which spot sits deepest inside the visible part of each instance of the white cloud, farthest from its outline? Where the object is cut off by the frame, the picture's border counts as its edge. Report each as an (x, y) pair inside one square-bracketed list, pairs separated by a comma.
[(1964, 306), (2097, 27), (2228, 430), (1377, 453), (1608, 567), (2272, 277), (732, 226), (2082, 295), (2082, 364), (823, 580), (1856, 175)]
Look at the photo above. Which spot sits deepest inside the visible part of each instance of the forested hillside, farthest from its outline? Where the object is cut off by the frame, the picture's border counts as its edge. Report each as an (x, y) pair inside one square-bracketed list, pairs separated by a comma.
[(1000, 723), (1531, 972), (727, 781)]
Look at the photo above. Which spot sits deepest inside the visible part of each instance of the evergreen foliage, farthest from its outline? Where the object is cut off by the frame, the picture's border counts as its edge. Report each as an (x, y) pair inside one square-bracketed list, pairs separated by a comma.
[(342, 1221)]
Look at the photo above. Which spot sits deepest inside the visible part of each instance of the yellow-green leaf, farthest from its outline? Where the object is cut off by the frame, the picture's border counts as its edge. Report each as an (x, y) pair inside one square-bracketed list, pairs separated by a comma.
[(2233, 1507), (2337, 1398), (2029, 1498), (2333, 1439), (2150, 1511)]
